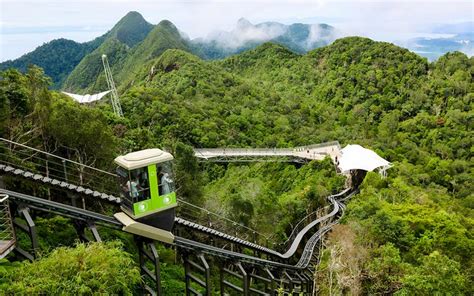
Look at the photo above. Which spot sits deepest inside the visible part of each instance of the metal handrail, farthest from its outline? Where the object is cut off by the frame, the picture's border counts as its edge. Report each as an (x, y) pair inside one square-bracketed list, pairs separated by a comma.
[(301, 224), (274, 151), (56, 156), (56, 167), (6, 229), (199, 209), (3, 197), (233, 223)]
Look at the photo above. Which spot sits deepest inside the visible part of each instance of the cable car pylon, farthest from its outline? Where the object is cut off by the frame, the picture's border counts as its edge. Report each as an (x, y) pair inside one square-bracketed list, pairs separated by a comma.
[(110, 82)]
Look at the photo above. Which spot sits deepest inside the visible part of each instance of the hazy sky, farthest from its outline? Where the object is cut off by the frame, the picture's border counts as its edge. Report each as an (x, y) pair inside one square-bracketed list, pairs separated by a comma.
[(28, 24)]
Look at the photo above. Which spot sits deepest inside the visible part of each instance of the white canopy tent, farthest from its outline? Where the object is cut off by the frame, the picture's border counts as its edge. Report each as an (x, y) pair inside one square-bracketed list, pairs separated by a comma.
[(83, 99), (356, 157)]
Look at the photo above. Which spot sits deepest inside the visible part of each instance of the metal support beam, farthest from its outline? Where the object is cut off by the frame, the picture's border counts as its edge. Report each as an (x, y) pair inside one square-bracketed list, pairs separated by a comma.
[(310, 276), (94, 231), (23, 253), (81, 227), (30, 229), (303, 282), (147, 252), (204, 271), (272, 279), (208, 274), (262, 278), (240, 274), (245, 278), (290, 282), (221, 279), (309, 282)]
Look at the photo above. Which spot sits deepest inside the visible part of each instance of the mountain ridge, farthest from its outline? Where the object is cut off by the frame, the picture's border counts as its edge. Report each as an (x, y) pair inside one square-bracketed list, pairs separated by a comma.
[(79, 69), (125, 35), (133, 41)]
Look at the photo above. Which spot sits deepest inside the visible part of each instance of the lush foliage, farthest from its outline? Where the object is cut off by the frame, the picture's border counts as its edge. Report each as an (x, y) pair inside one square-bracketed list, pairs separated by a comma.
[(83, 270), (415, 114), (271, 197), (32, 114)]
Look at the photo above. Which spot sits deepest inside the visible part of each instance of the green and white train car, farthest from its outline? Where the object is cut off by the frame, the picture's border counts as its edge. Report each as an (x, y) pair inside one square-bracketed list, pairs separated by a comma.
[(148, 193)]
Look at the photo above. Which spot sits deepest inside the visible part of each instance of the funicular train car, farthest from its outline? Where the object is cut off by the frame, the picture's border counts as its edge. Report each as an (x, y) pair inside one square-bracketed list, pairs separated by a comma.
[(148, 193)]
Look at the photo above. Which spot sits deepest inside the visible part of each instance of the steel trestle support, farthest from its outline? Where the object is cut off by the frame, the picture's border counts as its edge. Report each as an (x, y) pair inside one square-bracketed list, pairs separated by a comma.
[(30, 229), (147, 252), (205, 274)]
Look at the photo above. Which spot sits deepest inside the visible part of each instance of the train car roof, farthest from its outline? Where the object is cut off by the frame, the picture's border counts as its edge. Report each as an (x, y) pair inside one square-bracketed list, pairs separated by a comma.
[(142, 158)]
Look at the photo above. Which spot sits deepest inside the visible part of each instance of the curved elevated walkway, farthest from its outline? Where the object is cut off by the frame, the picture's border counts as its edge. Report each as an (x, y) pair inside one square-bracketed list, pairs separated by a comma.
[(297, 154)]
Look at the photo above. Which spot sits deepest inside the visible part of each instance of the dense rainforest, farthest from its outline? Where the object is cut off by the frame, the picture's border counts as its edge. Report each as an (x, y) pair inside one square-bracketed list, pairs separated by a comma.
[(410, 233)]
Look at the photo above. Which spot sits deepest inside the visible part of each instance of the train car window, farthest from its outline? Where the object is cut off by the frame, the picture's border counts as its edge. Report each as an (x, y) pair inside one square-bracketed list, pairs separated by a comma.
[(143, 183), (124, 181), (165, 175)]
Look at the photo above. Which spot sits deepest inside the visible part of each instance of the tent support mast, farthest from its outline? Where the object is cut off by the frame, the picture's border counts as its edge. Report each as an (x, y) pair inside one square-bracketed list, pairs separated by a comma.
[(110, 82)]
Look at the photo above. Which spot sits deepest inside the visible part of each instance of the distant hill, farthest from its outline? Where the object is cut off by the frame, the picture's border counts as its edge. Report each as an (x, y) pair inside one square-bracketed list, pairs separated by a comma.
[(58, 58), (297, 37), (443, 38), (131, 29)]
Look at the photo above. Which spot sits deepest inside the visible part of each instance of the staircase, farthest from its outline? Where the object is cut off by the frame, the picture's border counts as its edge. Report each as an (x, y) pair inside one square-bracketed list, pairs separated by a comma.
[(7, 234)]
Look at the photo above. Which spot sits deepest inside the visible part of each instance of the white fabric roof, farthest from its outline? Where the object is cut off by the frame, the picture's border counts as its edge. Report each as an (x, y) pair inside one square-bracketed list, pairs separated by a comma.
[(356, 157), (87, 98), (142, 158)]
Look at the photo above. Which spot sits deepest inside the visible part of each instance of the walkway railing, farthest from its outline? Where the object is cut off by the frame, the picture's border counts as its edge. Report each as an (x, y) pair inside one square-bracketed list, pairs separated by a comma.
[(41, 162), (308, 219)]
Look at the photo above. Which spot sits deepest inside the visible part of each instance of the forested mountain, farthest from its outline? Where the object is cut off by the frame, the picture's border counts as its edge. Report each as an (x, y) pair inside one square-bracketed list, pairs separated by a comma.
[(407, 234), (163, 36), (127, 61), (58, 58)]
